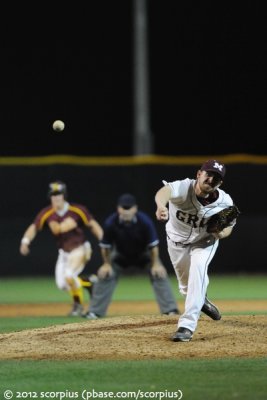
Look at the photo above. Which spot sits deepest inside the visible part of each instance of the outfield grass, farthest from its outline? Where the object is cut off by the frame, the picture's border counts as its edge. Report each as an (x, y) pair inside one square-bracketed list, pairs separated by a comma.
[(130, 288), (220, 379)]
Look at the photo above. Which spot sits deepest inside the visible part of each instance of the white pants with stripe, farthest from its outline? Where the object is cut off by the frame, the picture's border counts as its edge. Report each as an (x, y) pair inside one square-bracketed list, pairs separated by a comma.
[(190, 263), (70, 265)]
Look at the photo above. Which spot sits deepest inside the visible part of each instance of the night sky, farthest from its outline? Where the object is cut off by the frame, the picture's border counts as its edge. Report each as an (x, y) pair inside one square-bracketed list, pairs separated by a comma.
[(207, 78)]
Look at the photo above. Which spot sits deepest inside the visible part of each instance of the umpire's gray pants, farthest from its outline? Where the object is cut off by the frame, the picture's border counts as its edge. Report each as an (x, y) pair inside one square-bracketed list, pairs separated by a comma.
[(104, 288)]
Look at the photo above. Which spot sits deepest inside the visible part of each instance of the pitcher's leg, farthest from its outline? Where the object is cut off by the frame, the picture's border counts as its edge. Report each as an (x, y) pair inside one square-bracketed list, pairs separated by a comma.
[(180, 258), (197, 285)]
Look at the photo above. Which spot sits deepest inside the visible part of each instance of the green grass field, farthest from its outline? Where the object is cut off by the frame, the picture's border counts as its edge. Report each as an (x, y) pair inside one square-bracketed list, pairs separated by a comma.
[(43, 289), (196, 379)]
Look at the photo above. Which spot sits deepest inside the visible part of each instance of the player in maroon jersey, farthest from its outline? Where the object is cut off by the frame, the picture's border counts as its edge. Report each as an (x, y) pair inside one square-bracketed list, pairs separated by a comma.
[(67, 222)]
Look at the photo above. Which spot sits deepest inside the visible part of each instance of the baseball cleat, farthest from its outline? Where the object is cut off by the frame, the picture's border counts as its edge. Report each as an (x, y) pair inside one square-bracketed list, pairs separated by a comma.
[(211, 310), (77, 310), (90, 315), (172, 312), (182, 335)]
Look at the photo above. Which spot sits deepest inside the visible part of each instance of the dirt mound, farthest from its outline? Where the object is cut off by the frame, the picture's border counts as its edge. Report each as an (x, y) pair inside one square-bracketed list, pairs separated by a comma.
[(139, 337)]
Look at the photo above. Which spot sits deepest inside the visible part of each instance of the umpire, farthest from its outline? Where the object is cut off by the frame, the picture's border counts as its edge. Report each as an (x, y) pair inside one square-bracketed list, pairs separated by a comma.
[(130, 240)]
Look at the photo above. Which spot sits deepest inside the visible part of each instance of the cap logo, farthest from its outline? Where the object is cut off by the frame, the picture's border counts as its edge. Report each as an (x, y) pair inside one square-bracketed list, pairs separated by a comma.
[(56, 187), (218, 166)]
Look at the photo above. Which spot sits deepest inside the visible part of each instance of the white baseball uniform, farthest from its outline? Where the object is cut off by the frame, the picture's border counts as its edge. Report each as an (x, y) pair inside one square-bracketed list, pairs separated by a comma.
[(191, 248)]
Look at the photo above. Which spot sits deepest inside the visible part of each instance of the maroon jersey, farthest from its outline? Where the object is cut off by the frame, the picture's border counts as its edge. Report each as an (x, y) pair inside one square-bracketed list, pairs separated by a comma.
[(68, 240)]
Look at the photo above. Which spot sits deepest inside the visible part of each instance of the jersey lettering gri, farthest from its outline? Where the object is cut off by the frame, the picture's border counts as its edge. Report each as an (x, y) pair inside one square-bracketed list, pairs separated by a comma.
[(187, 216)]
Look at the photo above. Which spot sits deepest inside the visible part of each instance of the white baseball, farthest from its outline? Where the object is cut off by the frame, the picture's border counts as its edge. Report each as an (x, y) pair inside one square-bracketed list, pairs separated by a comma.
[(58, 125)]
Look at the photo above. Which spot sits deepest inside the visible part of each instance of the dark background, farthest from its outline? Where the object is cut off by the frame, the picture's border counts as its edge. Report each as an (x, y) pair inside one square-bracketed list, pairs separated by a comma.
[(207, 80), (207, 77), (24, 193)]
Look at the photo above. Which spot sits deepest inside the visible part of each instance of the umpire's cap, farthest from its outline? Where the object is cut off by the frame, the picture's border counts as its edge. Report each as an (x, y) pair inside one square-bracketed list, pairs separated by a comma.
[(57, 187), (126, 201)]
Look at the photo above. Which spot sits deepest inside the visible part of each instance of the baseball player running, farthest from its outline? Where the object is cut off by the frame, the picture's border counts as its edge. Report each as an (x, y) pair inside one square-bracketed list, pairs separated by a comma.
[(66, 222), (191, 202)]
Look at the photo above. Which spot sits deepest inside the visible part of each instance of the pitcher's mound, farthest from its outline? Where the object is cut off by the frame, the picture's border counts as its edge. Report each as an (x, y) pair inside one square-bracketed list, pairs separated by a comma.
[(138, 338)]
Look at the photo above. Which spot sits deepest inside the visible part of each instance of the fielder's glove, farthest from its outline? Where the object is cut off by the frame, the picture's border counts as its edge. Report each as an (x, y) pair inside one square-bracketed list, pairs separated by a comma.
[(222, 219)]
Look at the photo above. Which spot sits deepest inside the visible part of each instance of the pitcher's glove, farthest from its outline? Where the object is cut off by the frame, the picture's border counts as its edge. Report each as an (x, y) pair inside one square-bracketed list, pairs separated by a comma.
[(222, 219)]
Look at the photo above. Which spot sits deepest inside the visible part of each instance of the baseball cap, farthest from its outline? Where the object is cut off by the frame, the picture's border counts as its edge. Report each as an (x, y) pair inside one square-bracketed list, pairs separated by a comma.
[(214, 166), (57, 187), (126, 201)]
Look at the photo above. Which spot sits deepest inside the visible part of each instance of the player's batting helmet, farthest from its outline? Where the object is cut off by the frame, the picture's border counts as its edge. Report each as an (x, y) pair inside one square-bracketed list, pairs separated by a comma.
[(57, 187)]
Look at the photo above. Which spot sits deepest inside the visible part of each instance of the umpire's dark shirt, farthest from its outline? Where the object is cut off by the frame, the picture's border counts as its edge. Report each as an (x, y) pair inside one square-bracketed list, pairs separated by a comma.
[(131, 240)]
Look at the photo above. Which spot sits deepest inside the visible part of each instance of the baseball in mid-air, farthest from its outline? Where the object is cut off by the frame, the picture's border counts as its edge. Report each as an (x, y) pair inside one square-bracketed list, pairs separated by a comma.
[(58, 125)]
